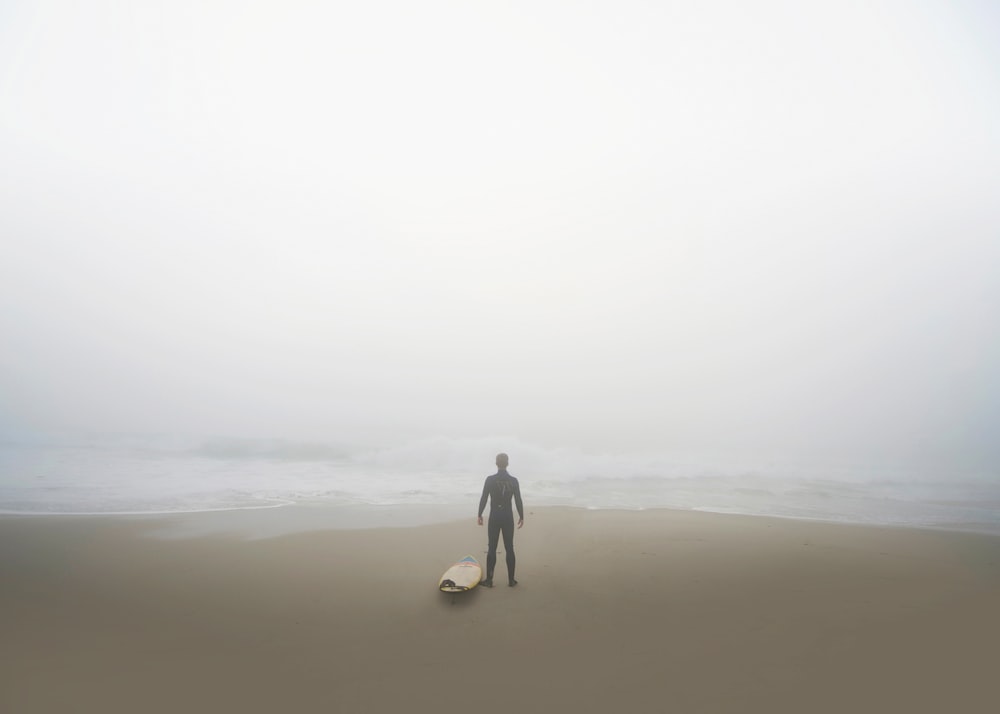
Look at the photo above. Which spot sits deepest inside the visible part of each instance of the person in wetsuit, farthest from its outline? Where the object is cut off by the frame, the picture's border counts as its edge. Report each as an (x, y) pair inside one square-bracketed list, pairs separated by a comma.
[(500, 488)]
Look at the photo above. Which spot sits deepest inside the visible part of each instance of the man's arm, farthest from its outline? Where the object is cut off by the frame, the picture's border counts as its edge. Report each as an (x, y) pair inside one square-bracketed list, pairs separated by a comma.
[(517, 502), (482, 501)]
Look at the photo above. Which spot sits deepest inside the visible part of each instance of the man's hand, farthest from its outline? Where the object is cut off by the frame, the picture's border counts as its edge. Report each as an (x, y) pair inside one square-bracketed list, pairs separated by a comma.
[(480, 519), (520, 522)]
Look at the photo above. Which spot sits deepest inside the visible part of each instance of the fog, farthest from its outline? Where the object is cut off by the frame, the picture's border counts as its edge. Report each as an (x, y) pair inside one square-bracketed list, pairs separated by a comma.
[(743, 231)]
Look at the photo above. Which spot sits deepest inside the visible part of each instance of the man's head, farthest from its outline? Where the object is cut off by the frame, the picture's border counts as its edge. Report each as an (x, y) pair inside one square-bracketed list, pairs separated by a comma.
[(502, 461)]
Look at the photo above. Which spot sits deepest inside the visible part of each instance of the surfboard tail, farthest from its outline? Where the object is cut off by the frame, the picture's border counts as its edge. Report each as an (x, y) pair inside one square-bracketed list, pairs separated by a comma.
[(462, 576)]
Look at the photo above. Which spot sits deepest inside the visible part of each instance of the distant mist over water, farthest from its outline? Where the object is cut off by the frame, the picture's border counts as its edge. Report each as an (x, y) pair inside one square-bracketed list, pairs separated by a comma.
[(731, 256)]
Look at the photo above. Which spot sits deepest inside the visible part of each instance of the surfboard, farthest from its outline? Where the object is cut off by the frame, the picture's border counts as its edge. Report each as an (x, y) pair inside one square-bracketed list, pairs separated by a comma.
[(463, 575)]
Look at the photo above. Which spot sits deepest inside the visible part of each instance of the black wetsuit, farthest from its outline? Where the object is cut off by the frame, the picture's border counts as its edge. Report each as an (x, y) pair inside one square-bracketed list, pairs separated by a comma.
[(500, 488)]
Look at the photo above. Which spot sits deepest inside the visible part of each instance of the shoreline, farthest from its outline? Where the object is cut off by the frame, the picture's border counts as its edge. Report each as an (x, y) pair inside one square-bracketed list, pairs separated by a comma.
[(323, 515)]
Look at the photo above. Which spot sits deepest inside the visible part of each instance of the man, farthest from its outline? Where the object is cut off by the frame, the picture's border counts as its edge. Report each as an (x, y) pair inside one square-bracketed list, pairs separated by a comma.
[(500, 488)]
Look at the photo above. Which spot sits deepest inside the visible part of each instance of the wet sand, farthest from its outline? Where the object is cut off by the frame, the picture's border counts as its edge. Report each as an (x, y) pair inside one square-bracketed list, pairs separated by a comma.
[(615, 611)]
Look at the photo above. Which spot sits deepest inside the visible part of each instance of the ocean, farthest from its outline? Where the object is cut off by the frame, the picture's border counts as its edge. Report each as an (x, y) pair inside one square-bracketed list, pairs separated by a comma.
[(146, 475)]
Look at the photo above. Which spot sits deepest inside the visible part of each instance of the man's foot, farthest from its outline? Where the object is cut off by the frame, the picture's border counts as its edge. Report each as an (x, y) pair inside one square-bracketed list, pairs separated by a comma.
[(488, 583), (511, 583)]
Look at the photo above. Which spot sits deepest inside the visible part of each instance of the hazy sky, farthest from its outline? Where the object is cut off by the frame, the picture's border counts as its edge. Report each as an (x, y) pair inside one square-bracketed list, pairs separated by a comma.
[(741, 227)]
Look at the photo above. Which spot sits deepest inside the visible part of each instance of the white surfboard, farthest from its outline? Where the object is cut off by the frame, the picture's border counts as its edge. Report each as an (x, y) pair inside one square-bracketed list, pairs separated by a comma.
[(463, 575)]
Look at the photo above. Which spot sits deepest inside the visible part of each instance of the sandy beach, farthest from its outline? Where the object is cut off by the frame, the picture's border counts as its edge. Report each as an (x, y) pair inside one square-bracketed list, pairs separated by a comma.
[(615, 611)]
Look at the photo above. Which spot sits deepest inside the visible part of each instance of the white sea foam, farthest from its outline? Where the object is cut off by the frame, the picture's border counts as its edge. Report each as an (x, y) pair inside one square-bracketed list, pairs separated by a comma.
[(162, 476)]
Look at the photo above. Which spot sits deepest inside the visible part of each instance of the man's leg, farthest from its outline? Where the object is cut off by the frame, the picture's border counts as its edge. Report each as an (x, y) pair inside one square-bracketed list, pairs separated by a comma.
[(493, 528), (508, 546)]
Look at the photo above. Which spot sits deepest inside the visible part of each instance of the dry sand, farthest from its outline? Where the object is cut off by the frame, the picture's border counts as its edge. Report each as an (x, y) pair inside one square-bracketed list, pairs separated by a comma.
[(616, 611)]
